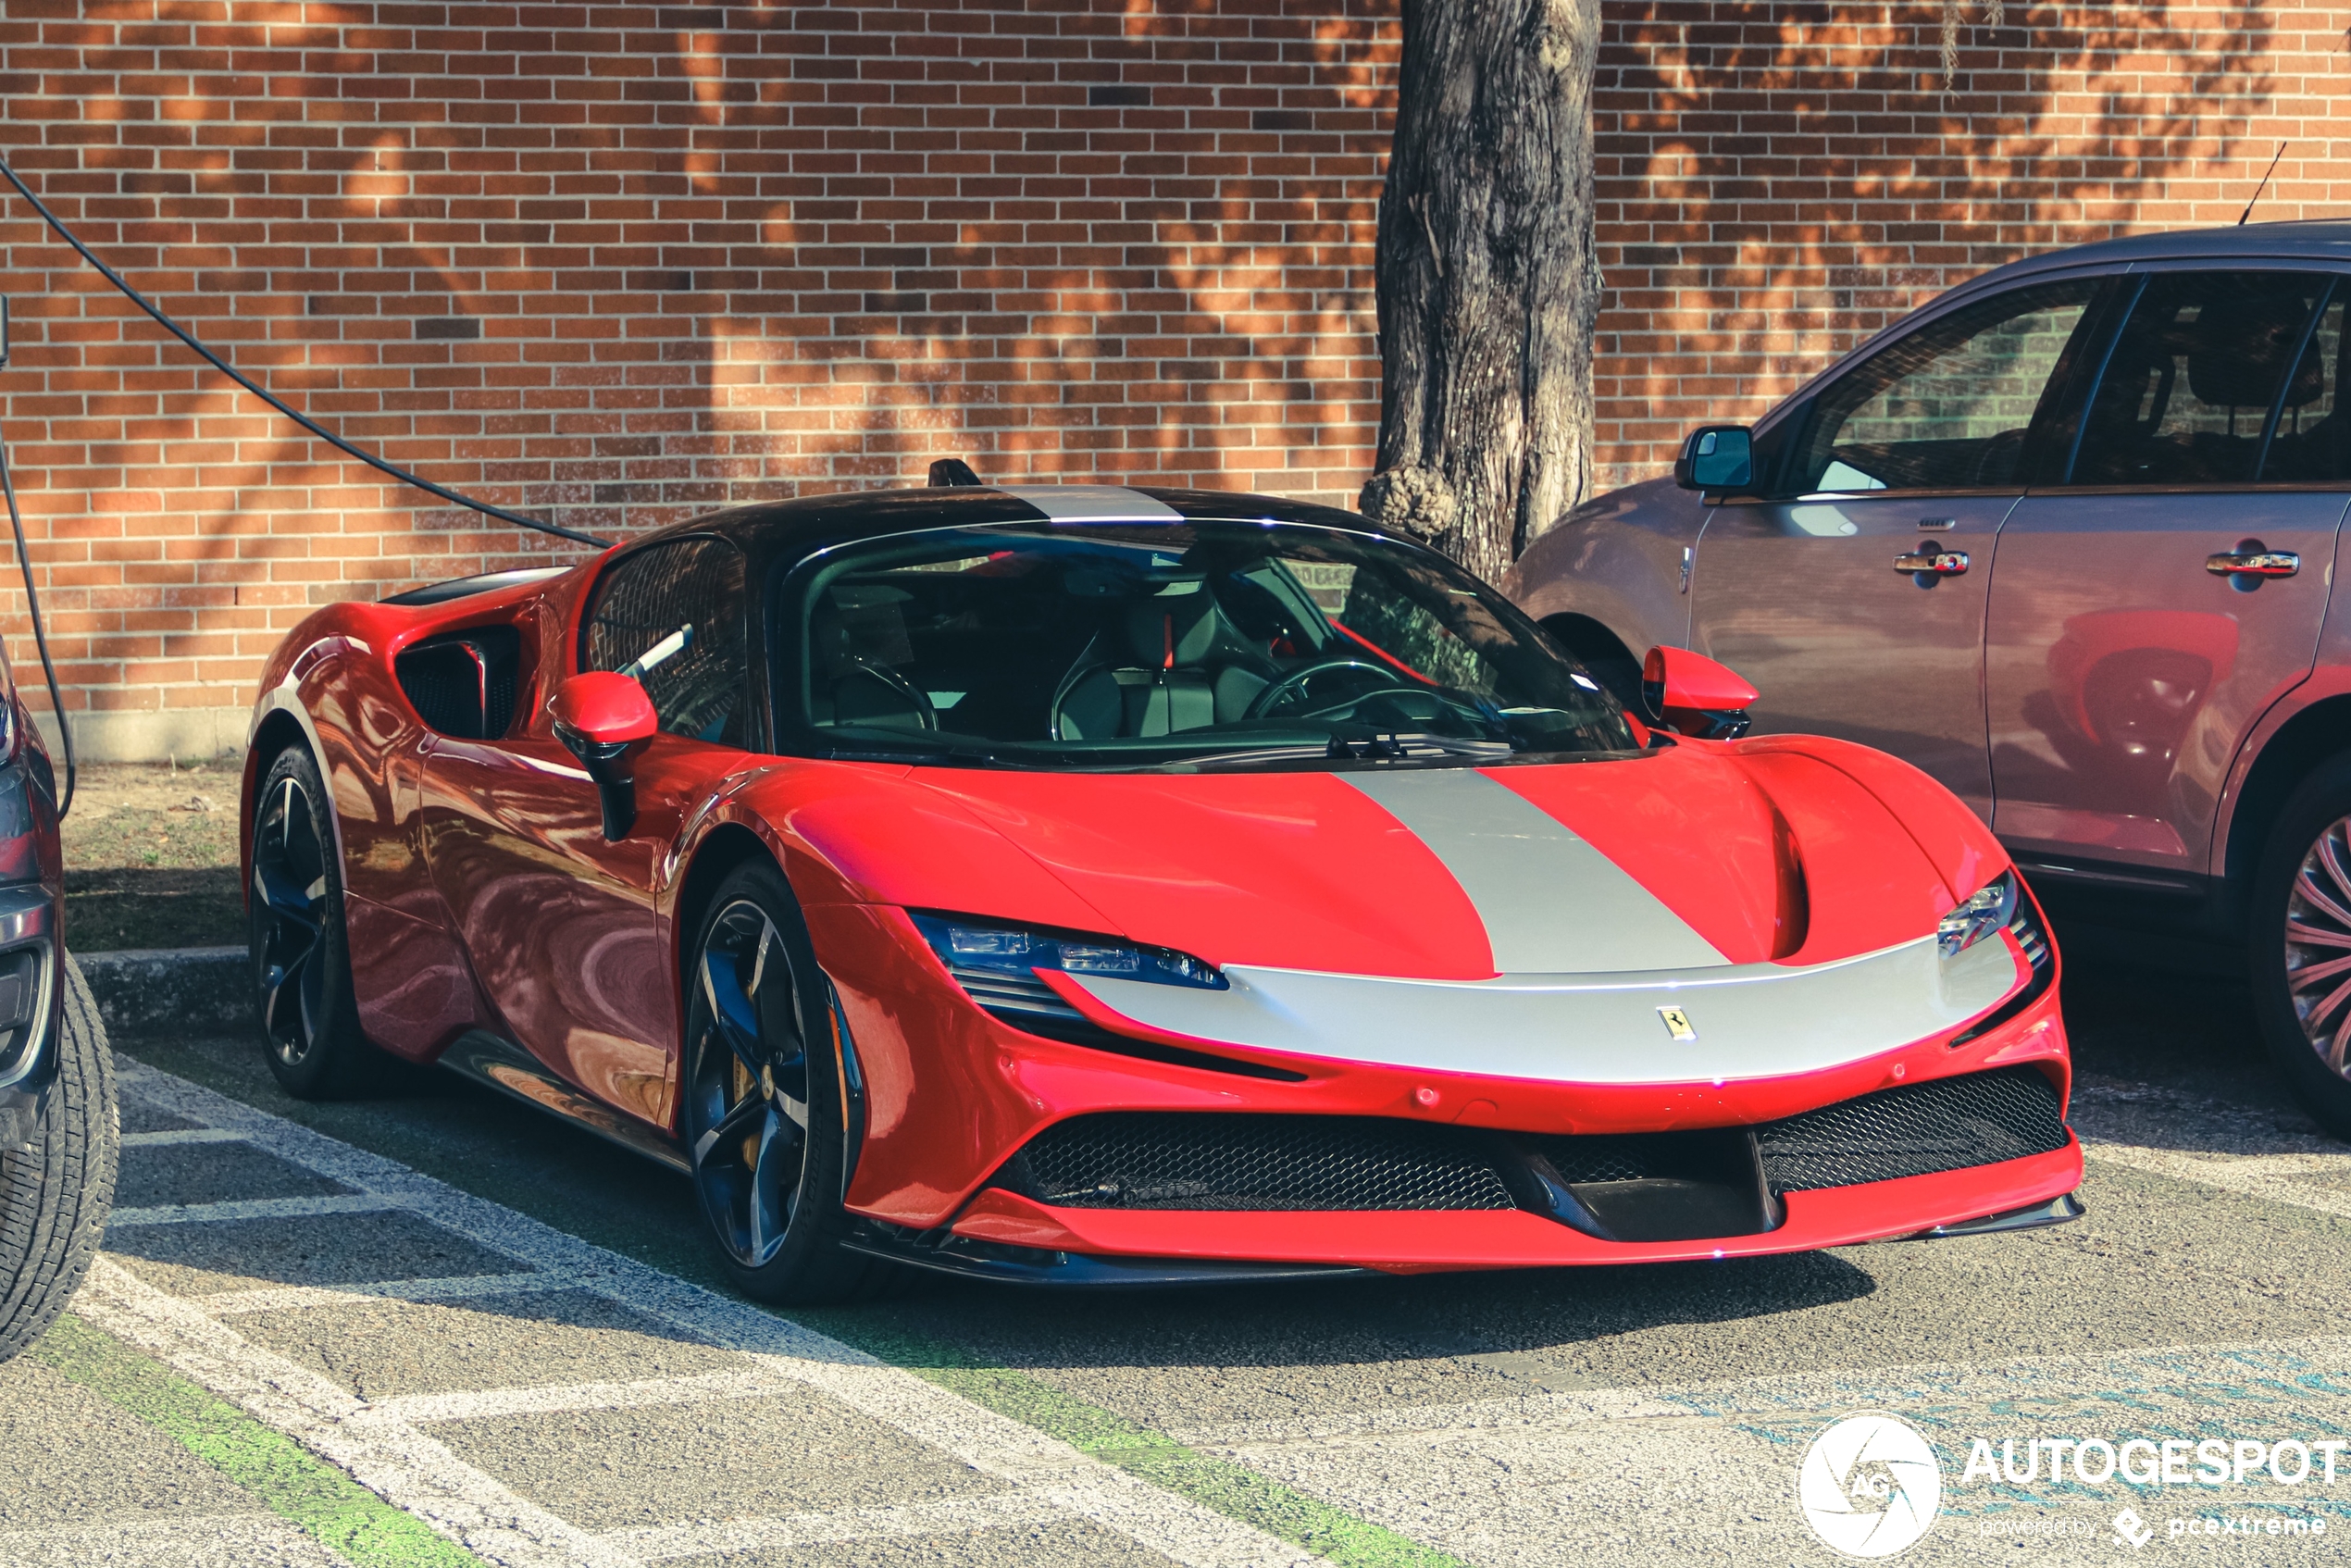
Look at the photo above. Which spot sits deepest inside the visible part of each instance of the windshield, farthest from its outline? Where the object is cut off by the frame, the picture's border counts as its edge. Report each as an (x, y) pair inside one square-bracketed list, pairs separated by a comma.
[(1199, 644)]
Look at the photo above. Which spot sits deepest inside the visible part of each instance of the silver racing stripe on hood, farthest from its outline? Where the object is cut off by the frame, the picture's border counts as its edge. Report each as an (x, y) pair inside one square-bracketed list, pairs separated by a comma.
[(1552, 904), (1751, 1020), (1092, 503)]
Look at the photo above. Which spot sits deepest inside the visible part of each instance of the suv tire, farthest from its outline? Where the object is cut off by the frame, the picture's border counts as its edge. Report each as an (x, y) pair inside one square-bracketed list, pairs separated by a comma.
[(2302, 987), (56, 1191)]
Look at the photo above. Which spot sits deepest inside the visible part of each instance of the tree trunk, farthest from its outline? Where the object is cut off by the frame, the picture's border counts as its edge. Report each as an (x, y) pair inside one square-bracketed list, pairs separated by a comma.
[(1488, 280)]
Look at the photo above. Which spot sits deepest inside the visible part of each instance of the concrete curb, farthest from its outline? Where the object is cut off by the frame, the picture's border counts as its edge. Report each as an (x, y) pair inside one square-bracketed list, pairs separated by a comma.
[(147, 991)]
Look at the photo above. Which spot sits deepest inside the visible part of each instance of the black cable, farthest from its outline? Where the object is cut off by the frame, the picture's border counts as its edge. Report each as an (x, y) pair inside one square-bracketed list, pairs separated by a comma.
[(39, 638), (315, 429)]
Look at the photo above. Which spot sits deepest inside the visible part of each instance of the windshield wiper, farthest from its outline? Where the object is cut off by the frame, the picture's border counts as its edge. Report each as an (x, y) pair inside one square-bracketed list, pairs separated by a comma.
[(1406, 745), (1259, 753), (917, 755), (1409, 746)]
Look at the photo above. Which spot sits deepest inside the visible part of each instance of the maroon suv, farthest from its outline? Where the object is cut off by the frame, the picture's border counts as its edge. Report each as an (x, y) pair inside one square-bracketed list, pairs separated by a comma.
[(2065, 539)]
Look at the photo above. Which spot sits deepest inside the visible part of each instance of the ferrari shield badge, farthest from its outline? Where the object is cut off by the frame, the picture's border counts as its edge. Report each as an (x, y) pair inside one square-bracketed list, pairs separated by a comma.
[(1677, 1024)]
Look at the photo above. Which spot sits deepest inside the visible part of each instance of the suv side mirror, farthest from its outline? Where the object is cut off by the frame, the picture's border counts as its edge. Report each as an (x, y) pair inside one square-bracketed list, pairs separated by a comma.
[(1691, 693), (605, 718), (1716, 457)]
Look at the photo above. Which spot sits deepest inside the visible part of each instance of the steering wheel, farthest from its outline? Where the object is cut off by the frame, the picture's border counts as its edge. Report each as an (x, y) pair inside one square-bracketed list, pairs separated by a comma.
[(926, 716), (1296, 680)]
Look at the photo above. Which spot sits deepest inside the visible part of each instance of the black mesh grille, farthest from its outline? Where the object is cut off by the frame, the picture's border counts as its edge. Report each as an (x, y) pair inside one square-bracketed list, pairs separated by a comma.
[(1211, 1159), (1918, 1129), (1606, 1157)]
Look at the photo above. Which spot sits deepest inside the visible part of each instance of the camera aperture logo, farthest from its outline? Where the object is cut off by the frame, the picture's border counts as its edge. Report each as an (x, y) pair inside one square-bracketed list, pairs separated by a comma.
[(1870, 1486)]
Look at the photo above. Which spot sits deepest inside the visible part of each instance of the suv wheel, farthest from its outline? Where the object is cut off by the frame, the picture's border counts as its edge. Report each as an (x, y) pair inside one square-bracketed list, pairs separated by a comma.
[(2299, 944), (56, 1189)]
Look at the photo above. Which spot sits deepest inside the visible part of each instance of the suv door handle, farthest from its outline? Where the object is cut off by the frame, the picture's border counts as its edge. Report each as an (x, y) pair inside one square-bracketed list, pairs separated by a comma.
[(2250, 560), (1933, 563)]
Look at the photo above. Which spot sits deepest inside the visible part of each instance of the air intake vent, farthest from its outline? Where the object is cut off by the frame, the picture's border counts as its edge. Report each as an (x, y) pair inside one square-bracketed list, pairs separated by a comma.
[(1919, 1129), (1214, 1159), (464, 685)]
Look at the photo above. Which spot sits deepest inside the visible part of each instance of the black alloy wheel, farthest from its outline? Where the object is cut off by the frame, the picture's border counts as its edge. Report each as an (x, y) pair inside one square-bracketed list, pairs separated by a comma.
[(300, 961), (2298, 944), (762, 1114)]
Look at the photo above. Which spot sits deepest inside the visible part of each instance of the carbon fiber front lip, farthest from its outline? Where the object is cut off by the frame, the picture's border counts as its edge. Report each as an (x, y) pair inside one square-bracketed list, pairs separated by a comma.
[(941, 1252)]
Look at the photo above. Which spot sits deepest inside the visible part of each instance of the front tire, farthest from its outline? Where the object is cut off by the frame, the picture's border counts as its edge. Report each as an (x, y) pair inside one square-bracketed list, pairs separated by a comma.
[(54, 1193), (761, 1107), (301, 956), (2299, 944)]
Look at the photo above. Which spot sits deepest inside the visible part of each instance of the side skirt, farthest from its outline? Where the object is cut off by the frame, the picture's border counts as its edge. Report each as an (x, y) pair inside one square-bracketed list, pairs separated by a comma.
[(508, 1067)]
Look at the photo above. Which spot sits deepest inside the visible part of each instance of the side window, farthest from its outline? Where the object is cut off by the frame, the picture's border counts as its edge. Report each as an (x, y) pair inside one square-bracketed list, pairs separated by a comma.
[(1950, 406), (2313, 439), (673, 616), (2191, 382)]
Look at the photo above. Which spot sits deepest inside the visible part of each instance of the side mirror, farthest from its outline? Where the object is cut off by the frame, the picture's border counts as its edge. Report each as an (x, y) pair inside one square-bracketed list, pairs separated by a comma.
[(605, 718), (1691, 693), (1716, 457)]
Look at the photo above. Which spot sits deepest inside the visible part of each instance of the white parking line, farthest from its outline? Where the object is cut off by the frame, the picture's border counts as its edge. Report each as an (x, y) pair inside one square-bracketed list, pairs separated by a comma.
[(181, 1135), (995, 1445), (478, 1404), (295, 1298), (2267, 1177), (253, 1209), (398, 1463), (961, 1517)]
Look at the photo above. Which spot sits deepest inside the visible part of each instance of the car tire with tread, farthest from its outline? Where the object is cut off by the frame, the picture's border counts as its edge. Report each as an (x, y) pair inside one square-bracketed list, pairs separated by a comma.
[(303, 993), (2309, 830), (56, 1191), (736, 1111)]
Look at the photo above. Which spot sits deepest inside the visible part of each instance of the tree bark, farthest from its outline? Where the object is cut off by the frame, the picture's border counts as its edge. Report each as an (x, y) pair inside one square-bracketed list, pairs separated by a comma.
[(1488, 279)]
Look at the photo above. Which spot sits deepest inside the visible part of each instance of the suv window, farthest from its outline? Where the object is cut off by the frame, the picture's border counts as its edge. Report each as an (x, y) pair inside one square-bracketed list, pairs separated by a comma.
[(2193, 380), (2313, 438), (1949, 405), (672, 615)]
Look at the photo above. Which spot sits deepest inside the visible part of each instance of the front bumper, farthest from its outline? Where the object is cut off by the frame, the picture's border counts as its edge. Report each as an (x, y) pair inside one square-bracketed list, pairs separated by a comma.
[(953, 1095), (1414, 1241)]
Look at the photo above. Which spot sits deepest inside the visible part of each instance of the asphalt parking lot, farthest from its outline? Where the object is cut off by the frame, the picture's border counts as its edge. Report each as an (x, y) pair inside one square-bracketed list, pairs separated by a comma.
[(510, 1334)]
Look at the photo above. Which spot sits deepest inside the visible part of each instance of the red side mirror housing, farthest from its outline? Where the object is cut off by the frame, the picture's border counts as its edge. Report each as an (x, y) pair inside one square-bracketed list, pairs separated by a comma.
[(605, 718), (603, 708), (1691, 693)]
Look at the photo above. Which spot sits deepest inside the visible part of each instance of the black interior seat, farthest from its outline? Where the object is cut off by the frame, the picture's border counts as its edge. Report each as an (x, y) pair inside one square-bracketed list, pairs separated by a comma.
[(1162, 664)]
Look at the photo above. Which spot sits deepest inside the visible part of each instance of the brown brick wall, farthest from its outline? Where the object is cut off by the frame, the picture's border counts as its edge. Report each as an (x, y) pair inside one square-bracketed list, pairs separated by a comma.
[(622, 263), (1779, 180)]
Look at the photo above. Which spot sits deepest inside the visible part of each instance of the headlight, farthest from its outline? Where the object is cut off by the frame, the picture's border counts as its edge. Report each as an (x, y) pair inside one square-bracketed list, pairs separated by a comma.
[(976, 948), (1981, 915)]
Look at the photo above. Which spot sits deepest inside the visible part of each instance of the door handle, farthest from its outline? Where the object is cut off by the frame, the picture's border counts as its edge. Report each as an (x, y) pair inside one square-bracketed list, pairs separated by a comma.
[(1932, 563), (2250, 559)]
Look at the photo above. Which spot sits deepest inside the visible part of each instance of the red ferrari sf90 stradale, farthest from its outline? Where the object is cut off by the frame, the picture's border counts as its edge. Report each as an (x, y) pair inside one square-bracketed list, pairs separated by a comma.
[(1111, 885)]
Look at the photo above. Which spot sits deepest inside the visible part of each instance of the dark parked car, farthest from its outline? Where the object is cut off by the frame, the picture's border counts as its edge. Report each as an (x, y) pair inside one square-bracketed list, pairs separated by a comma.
[(57, 1119), (2065, 539)]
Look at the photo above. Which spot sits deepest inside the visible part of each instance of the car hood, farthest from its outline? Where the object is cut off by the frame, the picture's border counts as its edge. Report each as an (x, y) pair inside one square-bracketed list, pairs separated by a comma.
[(1690, 857)]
